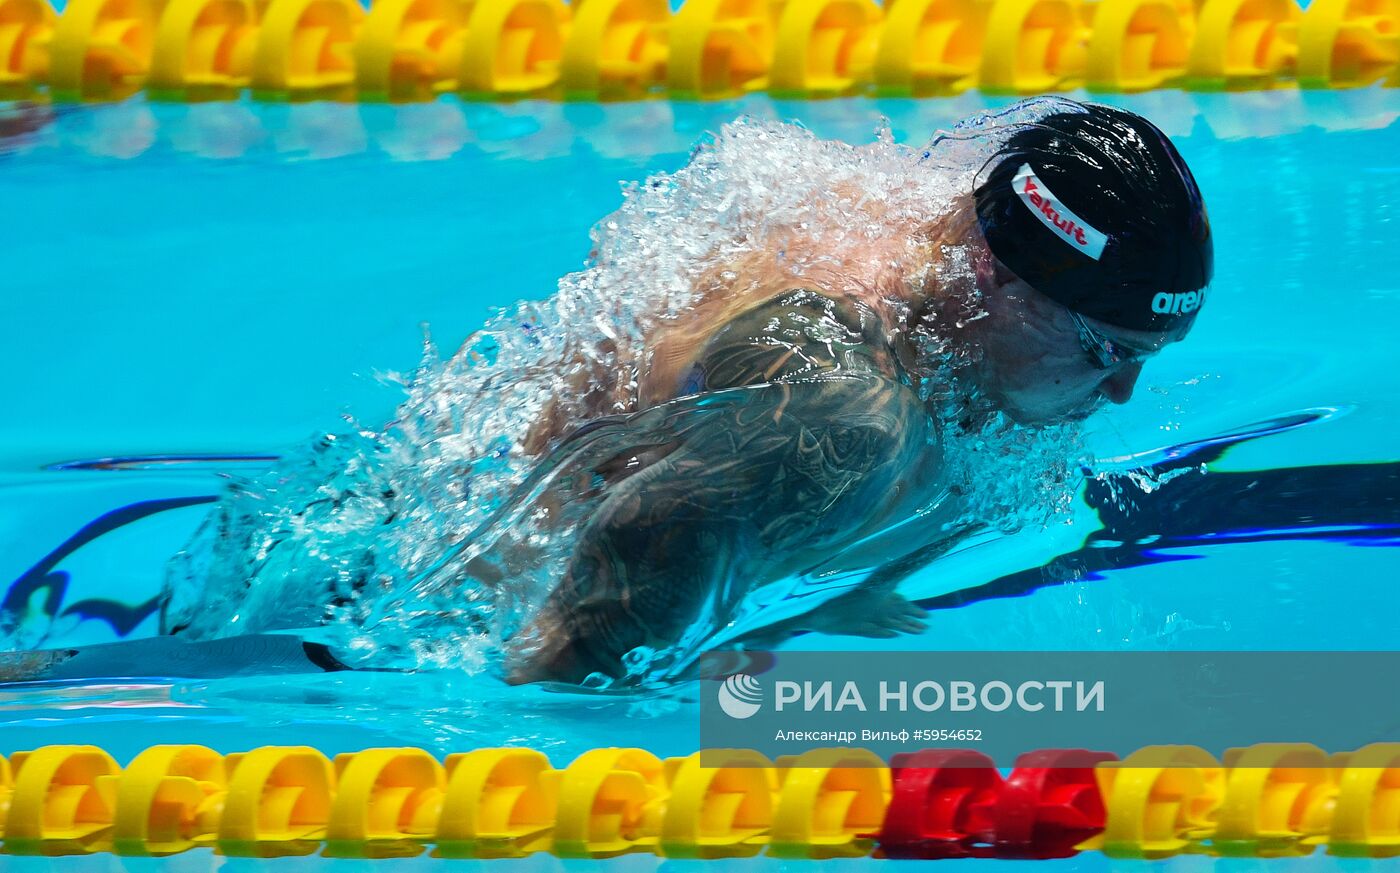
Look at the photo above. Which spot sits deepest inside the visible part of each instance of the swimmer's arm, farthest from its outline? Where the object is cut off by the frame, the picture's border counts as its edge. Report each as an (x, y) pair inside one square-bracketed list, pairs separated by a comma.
[(756, 484), (171, 658)]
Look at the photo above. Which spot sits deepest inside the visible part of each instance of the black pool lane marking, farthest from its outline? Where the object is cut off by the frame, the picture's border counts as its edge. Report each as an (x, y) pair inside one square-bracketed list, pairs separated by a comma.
[(122, 617), (1357, 504)]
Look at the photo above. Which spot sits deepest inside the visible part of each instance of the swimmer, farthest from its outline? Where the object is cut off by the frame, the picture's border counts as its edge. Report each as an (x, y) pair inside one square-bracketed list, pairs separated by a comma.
[(1090, 249), (809, 412)]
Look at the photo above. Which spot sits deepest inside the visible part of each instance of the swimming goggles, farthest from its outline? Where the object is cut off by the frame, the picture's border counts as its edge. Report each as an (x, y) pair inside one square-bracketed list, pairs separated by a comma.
[(1106, 352)]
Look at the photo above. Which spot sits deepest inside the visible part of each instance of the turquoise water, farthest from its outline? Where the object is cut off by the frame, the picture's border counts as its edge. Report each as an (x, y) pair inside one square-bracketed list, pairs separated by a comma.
[(225, 281)]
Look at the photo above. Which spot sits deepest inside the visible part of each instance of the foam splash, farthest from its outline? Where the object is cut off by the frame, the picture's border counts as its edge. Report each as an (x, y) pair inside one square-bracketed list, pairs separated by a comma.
[(428, 541)]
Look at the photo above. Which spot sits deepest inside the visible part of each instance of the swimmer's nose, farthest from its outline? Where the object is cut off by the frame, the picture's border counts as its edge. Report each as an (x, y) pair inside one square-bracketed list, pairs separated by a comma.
[(1118, 387)]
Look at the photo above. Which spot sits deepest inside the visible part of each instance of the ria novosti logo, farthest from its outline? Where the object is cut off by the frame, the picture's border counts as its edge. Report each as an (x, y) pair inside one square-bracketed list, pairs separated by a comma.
[(740, 696)]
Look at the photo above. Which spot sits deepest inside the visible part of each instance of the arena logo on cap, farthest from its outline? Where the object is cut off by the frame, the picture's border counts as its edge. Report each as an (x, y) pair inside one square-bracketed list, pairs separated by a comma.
[(1180, 303), (1054, 215)]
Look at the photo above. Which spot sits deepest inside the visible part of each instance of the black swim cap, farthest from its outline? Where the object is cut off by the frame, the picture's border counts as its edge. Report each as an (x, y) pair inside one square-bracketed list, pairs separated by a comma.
[(1097, 210)]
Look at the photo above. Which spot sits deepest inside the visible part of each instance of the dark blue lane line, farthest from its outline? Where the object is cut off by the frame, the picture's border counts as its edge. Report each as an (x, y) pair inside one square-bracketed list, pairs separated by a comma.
[(123, 618), (1352, 504), (54, 583), (150, 462)]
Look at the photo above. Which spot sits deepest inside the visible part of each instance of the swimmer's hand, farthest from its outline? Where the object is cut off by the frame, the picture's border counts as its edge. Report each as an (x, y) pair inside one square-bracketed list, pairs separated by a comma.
[(798, 446), (870, 614), (867, 612)]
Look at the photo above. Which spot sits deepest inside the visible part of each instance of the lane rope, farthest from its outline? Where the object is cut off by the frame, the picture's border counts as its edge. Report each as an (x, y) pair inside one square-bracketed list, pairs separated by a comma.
[(404, 50), (1268, 800)]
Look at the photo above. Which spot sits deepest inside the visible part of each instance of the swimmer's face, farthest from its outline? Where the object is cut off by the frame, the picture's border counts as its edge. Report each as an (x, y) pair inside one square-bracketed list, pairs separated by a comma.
[(1034, 363)]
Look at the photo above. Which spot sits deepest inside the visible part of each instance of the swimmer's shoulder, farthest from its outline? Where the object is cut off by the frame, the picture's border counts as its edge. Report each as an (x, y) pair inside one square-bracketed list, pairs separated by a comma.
[(793, 332)]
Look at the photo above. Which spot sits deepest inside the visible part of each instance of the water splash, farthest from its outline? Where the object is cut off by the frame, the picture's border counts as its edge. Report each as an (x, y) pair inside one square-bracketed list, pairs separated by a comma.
[(429, 541)]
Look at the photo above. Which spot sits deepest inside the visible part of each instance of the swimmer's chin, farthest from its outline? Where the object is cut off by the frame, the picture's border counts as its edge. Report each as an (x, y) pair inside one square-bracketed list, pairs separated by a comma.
[(1032, 417)]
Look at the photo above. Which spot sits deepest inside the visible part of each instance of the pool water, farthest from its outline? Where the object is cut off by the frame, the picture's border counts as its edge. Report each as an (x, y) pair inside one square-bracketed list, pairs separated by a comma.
[(191, 290)]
